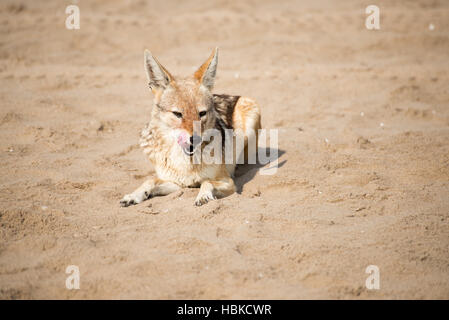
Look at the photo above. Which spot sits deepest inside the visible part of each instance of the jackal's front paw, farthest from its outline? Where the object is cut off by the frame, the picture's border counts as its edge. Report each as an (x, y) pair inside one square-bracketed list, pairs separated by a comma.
[(130, 199), (204, 198)]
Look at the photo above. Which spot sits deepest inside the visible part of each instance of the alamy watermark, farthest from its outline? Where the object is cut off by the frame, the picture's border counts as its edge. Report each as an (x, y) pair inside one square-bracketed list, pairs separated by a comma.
[(231, 147), (73, 280), (72, 22), (372, 22), (373, 280)]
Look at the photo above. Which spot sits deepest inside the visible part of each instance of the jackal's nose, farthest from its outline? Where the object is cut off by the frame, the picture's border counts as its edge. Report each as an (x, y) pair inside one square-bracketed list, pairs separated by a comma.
[(194, 140)]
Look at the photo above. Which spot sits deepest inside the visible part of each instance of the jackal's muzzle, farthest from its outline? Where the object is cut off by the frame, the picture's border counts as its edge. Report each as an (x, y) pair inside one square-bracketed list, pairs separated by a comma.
[(189, 145)]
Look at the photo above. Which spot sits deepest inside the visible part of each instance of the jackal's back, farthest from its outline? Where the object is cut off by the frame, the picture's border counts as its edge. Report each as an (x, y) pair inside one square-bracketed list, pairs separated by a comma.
[(225, 104)]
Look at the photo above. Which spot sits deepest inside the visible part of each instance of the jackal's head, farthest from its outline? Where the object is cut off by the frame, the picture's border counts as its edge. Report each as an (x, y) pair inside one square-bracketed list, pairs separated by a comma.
[(182, 105)]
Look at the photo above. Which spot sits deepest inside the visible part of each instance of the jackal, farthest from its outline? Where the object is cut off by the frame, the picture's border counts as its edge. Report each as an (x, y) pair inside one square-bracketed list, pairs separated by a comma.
[(170, 141)]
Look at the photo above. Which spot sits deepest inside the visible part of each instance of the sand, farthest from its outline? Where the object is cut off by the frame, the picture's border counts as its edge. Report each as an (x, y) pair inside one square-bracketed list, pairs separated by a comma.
[(363, 176)]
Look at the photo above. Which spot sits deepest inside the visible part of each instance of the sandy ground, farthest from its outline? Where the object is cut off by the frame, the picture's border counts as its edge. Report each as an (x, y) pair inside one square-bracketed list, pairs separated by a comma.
[(363, 177)]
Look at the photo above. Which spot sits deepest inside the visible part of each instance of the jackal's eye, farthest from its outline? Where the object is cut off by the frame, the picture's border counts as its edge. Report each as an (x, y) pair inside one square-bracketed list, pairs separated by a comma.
[(177, 114), (202, 114)]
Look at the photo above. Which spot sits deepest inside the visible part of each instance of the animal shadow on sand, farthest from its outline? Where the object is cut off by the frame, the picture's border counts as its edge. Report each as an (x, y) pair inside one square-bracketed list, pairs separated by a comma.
[(246, 172)]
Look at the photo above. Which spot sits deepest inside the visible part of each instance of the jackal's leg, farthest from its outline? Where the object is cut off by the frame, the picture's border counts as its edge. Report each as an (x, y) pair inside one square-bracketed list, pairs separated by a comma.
[(213, 189), (150, 188)]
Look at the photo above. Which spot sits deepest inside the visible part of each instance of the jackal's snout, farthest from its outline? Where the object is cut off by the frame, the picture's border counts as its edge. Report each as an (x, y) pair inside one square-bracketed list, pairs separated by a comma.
[(195, 140), (189, 143)]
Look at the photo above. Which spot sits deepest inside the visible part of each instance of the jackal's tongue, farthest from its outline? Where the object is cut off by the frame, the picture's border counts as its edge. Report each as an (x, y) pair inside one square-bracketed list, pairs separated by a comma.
[(182, 140)]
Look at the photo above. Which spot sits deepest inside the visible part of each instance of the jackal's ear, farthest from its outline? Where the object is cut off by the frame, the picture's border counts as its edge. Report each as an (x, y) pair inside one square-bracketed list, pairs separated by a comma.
[(206, 73), (158, 76)]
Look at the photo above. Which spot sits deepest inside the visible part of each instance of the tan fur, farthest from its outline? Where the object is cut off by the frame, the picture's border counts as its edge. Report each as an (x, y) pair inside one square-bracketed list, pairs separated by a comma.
[(246, 117), (188, 97)]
